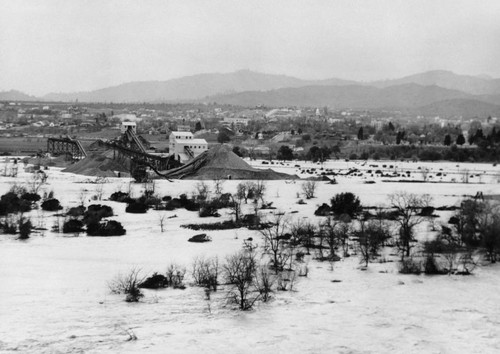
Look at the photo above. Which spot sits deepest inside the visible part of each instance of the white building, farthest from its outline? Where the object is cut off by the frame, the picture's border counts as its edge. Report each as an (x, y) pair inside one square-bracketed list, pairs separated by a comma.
[(127, 117), (236, 121), (126, 125), (185, 147)]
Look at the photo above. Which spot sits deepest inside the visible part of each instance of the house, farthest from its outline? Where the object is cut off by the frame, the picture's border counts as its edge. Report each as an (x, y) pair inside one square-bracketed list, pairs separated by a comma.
[(185, 147)]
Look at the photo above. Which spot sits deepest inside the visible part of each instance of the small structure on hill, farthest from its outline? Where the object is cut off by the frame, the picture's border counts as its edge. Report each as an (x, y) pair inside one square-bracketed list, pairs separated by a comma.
[(128, 125), (184, 147)]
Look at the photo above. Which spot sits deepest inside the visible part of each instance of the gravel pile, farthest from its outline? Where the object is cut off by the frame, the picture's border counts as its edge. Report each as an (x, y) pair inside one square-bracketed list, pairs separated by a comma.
[(221, 162)]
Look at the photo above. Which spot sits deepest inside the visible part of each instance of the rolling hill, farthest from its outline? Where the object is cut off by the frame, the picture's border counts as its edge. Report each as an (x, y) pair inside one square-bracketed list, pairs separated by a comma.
[(459, 107), (436, 92), (475, 85), (189, 87), (14, 95)]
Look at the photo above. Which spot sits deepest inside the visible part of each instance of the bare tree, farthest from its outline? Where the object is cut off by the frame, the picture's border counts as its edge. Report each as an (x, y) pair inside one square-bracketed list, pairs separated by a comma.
[(465, 176), (370, 237), (218, 185), (128, 284), (149, 187), (328, 229), (259, 190), (236, 205), (425, 173), (161, 220), (305, 232), (489, 229), (82, 196), (309, 189), (342, 233), (202, 191), (264, 282), (240, 271), (99, 181), (274, 242), (242, 191), (38, 179), (407, 207), (205, 272)]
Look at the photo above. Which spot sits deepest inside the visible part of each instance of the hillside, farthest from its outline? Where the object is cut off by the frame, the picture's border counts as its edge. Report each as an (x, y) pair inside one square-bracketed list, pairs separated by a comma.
[(436, 92), (188, 88), (14, 95), (459, 108), (474, 85)]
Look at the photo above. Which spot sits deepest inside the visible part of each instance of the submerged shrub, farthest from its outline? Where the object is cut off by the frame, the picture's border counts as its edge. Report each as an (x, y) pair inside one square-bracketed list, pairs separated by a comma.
[(99, 211), (156, 281), (51, 205), (25, 227), (346, 203), (76, 211), (31, 197), (431, 266), (136, 208), (127, 284), (109, 228), (11, 203), (121, 197), (72, 225), (410, 266)]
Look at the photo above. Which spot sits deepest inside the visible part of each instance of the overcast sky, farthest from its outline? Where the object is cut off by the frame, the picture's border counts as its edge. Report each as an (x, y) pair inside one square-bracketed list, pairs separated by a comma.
[(60, 46)]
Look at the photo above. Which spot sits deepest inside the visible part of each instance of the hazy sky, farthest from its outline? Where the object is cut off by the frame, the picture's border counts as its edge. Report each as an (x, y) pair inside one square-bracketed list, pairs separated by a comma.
[(72, 45)]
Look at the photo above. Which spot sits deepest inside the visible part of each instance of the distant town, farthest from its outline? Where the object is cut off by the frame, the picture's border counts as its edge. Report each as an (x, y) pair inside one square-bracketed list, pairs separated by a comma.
[(284, 133)]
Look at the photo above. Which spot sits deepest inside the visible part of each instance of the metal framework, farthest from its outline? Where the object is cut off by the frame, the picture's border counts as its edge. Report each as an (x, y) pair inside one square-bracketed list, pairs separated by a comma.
[(122, 153), (135, 152), (70, 147)]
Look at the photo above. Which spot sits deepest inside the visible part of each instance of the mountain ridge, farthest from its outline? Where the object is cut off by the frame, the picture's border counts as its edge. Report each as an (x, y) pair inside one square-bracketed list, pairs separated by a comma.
[(431, 91)]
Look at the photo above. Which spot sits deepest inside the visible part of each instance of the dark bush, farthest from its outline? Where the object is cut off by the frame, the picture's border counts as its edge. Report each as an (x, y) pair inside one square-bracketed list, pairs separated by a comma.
[(410, 266), (72, 225), (224, 225), (430, 155), (200, 238), (207, 211), (323, 210), (156, 281), (76, 211), (189, 204), (427, 211), (11, 203), (109, 228), (166, 198), (120, 197), (434, 246), (25, 227), (223, 201), (173, 204), (31, 197), (431, 267), (149, 200), (136, 208), (51, 205), (346, 203), (4, 208), (99, 211), (9, 227)]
